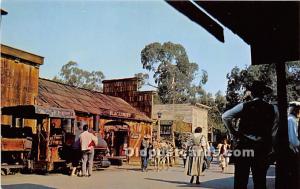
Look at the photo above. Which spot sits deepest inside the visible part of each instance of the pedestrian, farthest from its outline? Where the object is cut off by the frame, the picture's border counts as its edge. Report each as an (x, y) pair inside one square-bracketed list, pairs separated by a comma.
[(294, 145), (194, 163), (254, 136), (184, 153), (108, 140), (212, 151), (144, 152), (76, 149), (224, 159), (87, 141)]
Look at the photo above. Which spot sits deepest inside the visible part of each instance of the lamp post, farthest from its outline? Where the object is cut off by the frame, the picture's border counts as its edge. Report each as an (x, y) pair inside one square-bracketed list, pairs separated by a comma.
[(158, 125)]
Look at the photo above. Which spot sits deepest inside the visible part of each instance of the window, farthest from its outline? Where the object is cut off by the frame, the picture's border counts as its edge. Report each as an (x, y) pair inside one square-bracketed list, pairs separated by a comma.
[(165, 129)]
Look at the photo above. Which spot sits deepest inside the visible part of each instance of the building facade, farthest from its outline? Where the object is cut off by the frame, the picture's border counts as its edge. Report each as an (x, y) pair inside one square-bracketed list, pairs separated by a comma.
[(181, 117)]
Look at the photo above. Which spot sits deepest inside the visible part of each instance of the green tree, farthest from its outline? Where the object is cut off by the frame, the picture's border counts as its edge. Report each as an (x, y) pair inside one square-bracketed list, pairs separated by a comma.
[(142, 77), (174, 74), (239, 79), (71, 74)]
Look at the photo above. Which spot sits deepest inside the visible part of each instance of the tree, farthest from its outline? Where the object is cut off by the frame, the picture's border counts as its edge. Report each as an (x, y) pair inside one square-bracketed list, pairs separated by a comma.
[(173, 72), (72, 75), (142, 77), (239, 79)]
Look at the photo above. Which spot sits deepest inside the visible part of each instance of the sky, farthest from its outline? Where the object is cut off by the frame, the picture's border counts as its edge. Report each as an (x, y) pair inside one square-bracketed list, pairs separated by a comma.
[(109, 36)]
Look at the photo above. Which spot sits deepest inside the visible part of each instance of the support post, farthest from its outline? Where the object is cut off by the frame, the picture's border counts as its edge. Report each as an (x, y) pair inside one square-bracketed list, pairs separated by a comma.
[(282, 164), (158, 129)]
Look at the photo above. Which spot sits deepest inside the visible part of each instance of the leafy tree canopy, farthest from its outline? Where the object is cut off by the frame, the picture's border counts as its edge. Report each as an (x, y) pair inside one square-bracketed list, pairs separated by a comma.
[(174, 74), (239, 78), (142, 77), (71, 74)]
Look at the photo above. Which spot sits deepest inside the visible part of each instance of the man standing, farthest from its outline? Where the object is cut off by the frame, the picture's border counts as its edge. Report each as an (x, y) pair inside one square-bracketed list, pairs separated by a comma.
[(76, 148), (254, 136), (87, 142), (144, 152)]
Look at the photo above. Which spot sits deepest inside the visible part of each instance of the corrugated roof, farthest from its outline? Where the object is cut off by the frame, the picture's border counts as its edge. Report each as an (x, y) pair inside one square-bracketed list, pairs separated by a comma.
[(55, 94)]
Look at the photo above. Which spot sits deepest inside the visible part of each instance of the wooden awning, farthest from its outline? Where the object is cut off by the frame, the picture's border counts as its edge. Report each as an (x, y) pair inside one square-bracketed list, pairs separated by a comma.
[(35, 111), (270, 28)]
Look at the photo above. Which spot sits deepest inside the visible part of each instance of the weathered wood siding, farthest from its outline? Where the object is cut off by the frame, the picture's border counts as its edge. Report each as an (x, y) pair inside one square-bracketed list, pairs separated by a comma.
[(19, 79), (137, 130), (127, 89), (19, 83)]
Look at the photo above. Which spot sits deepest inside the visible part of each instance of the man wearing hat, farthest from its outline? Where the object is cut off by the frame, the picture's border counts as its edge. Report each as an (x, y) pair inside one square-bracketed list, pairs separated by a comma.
[(254, 134), (294, 144), (144, 152)]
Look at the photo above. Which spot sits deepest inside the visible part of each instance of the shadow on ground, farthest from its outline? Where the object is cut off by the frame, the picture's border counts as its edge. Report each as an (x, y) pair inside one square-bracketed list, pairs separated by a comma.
[(25, 186), (225, 183)]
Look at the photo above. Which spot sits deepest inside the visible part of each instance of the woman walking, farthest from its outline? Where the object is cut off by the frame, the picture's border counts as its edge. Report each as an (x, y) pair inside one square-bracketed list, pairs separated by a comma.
[(195, 157), (224, 159)]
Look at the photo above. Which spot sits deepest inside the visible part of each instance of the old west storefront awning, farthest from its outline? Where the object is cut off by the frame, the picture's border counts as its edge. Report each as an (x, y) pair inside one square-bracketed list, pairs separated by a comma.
[(272, 31), (106, 114), (35, 111)]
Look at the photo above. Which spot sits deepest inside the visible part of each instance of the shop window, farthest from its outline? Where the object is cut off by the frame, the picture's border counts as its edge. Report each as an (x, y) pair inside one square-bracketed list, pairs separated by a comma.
[(165, 129)]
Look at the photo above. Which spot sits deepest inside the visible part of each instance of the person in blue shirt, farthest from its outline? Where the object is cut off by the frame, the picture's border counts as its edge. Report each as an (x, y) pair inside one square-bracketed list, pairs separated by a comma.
[(294, 144), (212, 151)]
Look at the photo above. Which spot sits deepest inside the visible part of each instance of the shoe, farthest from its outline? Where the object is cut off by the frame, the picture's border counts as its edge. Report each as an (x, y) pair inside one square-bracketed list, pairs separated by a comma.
[(197, 180), (192, 180)]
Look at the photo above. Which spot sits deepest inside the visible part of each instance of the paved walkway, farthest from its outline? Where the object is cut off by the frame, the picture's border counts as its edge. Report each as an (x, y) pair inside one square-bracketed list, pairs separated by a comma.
[(128, 177)]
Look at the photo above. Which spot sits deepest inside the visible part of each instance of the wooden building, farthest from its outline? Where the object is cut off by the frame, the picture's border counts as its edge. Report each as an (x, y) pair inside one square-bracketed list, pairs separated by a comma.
[(21, 87), (19, 78), (127, 89), (106, 114)]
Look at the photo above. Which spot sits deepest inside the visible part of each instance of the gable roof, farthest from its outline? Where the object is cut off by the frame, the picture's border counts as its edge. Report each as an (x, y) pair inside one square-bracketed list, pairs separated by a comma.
[(55, 94)]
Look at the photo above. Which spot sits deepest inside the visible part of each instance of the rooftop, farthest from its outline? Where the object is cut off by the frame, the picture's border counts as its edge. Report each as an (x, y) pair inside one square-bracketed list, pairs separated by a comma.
[(23, 55), (55, 94)]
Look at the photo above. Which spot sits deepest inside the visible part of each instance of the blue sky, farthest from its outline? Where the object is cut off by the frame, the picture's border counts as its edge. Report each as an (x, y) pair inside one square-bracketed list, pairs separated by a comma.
[(109, 36)]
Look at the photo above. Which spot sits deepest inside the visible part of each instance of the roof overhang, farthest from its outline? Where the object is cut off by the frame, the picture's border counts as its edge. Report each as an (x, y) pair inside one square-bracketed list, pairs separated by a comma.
[(270, 28), (35, 111), (20, 54), (3, 12)]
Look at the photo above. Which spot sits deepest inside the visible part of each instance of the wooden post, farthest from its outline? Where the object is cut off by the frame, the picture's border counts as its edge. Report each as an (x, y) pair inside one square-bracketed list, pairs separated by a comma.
[(158, 129), (38, 131), (96, 119), (282, 164)]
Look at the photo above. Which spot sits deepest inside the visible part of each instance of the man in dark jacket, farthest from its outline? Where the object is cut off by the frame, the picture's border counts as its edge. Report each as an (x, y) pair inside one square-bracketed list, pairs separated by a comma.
[(254, 135), (144, 152)]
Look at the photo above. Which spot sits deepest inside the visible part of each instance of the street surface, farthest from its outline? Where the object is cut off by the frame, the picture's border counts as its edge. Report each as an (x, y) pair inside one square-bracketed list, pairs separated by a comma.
[(129, 177)]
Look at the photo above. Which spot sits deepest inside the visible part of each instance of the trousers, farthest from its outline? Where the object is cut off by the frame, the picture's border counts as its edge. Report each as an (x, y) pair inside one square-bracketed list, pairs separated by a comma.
[(87, 159), (259, 167)]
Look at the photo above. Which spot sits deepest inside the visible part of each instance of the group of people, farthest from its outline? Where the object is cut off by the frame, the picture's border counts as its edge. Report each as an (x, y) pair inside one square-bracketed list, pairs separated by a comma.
[(83, 146), (257, 120), (160, 152), (252, 127)]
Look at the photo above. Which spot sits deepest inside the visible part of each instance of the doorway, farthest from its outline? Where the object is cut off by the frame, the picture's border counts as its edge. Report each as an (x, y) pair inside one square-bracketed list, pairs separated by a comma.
[(117, 137)]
